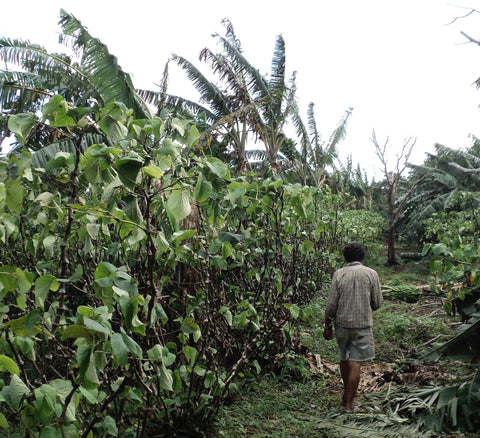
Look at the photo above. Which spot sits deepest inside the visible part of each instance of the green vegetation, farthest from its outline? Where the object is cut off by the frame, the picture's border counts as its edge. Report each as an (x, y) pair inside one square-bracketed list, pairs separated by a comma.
[(155, 283), (403, 292), (275, 408), (278, 407)]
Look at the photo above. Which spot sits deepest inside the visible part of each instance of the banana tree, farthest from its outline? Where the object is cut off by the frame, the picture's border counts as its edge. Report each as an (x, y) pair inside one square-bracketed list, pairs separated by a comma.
[(448, 185), (315, 154), (246, 106)]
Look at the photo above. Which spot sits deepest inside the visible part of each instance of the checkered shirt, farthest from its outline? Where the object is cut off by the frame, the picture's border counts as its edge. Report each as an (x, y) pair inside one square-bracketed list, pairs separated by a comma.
[(354, 294)]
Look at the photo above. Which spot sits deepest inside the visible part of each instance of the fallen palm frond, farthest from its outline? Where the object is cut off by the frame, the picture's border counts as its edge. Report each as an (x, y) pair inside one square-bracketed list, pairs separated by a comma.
[(372, 425), (383, 412), (455, 406), (379, 420)]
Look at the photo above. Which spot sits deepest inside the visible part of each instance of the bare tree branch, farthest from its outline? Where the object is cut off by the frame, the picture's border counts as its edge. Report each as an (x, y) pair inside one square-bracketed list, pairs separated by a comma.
[(463, 169), (407, 149), (381, 152), (469, 38), (401, 158), (472, 10), (412, 188)]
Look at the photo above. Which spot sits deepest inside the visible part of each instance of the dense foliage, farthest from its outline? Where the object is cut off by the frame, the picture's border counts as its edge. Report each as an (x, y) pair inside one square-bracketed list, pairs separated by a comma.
[(140, 282), (445, 187), (455, 267), (143, 279)]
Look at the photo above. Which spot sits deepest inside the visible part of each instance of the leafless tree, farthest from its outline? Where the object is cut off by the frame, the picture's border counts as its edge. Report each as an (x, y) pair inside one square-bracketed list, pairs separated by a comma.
[(392, 177)]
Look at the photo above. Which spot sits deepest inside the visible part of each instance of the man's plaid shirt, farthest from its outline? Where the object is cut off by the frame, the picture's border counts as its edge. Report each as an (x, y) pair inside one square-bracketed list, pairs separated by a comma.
[(354, 293)]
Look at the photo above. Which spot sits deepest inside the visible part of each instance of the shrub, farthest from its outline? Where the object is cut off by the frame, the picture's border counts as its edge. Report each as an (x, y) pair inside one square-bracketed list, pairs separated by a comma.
[(139, 282)]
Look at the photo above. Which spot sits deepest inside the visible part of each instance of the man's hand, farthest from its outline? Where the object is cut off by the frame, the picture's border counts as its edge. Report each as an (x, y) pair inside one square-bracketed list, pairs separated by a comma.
[(328, 333)]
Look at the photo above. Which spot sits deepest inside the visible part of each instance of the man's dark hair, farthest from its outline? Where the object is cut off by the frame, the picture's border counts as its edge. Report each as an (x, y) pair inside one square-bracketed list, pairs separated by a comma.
[(354, 252)]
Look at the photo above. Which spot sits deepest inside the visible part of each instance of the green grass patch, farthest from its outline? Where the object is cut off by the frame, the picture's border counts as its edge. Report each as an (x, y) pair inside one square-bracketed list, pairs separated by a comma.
[(272, 407), (408, 273), (401, 330)]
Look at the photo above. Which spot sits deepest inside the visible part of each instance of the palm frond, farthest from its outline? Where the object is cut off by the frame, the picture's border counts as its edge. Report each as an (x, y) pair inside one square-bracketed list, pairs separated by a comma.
[(19, 78), (465, 345), (277, 75), (30, 57), (340, 131), (290, 99), (233, 80), (20, 92), (256, 155), (209, 92), (41, 157), (372, 423), (40, 74), (312, 126), (163, 90), (301, 132), (186, 106), (254, 80), (103, 69), (315, 148), (444, 407)]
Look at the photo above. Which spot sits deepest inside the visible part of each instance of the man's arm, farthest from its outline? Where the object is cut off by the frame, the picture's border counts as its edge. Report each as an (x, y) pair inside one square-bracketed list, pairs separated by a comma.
[(328, 332), (330, 310), (376, 295)]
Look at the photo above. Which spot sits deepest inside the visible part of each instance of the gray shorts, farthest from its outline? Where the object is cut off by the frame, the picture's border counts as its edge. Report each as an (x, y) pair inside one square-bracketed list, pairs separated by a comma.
[(355, 344)]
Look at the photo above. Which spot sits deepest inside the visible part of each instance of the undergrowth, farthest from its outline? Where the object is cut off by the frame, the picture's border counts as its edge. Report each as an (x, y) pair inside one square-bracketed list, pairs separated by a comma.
[(275, 407), (296, 402)]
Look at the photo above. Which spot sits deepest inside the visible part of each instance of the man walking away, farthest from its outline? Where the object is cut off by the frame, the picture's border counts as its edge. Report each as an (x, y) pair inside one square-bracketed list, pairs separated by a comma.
[(354, 294)]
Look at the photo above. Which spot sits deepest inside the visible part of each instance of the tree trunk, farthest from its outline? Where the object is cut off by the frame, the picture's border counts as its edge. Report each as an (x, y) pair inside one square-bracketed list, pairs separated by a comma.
[(392, 179), (241, 162), (391, 260)]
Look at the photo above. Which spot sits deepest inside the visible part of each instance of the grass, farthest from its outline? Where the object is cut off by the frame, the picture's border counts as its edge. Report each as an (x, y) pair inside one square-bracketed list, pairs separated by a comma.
[(409, 273), (297, 402), (401, 330), (276, 408)]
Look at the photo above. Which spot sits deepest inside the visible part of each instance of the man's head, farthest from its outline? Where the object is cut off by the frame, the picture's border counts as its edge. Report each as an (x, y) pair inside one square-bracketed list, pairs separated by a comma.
[(354, 252)]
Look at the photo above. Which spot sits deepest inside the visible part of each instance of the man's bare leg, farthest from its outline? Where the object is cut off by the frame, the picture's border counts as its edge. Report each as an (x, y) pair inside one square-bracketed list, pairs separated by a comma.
[(352, 383), (350, 371), (344, 371)]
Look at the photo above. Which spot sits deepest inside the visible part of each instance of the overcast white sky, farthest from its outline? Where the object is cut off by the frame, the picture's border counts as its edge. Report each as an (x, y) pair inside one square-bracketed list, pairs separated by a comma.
[(399, 64)]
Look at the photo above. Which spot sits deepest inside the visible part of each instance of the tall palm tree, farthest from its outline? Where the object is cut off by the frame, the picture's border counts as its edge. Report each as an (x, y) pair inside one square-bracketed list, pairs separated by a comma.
[(277, 104), (231, 107), (226, 114)]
